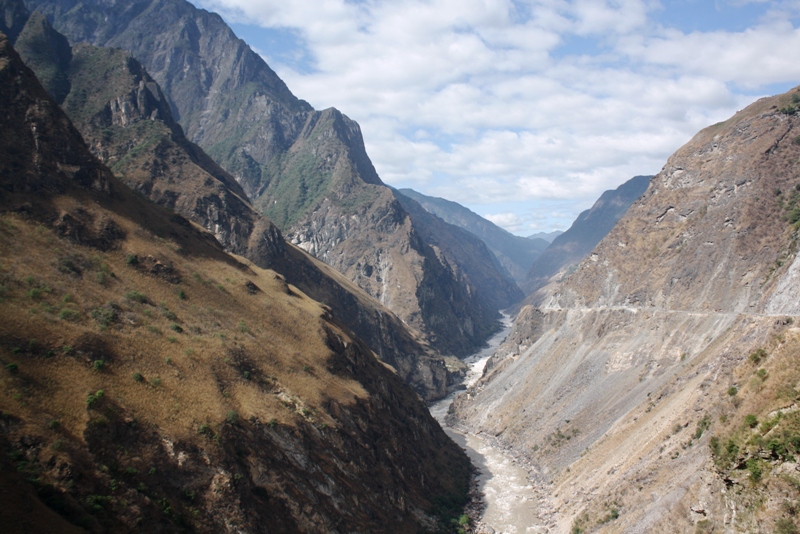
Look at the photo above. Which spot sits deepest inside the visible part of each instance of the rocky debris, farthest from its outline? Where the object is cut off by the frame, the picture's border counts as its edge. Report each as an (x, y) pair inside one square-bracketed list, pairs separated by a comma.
[(604, 384)]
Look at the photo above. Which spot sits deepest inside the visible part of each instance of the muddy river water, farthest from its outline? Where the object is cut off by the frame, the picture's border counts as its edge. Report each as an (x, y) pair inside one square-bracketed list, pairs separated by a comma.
[(511, 500)]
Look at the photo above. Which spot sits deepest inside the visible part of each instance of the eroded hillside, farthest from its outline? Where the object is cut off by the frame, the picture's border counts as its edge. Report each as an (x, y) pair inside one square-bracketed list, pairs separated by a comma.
[(153, 382), (616, 385)]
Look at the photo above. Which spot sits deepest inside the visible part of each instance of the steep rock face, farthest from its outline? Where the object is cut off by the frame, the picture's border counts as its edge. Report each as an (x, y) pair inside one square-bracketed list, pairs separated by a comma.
[(614, 384), (261, 413), (475, 265), (589, 228), (289, 158), (378, 247), (516, 254), (124, 116)]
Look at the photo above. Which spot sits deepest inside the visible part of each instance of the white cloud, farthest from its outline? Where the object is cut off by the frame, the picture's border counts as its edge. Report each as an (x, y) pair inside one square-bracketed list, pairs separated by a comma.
[(490, 101)]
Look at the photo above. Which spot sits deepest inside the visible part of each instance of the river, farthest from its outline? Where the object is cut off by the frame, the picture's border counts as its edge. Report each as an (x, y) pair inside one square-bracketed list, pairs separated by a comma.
[(512, 502)]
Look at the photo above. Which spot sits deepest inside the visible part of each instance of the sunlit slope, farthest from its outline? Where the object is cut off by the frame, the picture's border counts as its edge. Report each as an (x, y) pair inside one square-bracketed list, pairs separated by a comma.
[(615, 385)]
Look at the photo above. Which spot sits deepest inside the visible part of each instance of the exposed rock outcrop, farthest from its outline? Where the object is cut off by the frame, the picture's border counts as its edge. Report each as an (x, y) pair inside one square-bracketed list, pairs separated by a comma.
[(613, 385)]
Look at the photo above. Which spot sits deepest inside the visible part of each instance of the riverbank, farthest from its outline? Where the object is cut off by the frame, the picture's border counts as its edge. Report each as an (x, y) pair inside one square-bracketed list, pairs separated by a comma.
[(508, 496)]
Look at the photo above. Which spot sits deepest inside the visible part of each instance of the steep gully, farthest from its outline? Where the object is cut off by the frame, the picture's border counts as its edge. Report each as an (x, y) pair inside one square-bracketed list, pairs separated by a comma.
[(512, 503)]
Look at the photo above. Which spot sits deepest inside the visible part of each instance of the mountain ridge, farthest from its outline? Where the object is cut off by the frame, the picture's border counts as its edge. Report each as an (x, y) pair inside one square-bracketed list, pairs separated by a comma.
[(588, 229), (129, 126), (306, 168), (637, 374), (516, 254), (257, 409)]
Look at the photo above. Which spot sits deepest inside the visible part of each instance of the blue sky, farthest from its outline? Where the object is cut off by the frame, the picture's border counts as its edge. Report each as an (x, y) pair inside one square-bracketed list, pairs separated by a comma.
[(524, 111)]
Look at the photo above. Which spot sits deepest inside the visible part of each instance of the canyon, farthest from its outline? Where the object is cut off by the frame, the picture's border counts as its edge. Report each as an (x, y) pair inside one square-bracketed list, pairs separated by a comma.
[(217, 317)]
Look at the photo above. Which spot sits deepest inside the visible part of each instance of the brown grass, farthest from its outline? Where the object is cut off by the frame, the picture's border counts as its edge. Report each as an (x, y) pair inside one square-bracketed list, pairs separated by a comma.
[(235, 351)]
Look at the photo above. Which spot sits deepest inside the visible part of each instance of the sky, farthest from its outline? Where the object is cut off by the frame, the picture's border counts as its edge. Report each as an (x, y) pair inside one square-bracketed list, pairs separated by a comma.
[(524, 111)]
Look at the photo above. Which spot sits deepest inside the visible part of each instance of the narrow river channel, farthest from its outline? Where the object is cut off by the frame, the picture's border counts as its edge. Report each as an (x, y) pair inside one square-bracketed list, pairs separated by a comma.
[(511, 500)]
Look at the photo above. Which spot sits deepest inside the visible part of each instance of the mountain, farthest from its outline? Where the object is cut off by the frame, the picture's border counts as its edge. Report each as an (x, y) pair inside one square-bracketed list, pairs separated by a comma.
[(129, 126), (466, 253), (155, 383), (589, 228), (516, 254), (547, 236), (306, 170), (655, 388)]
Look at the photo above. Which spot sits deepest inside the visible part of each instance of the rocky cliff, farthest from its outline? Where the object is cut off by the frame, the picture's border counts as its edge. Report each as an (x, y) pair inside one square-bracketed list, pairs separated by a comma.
[(654, 389), (592, 225), (306, 170), (516, 254), (152, 382), (124, 116)]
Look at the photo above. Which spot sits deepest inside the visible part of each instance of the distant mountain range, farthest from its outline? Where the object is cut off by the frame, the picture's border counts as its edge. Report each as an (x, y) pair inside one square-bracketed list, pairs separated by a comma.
[(592, 225), (547, 236), (516, 254)]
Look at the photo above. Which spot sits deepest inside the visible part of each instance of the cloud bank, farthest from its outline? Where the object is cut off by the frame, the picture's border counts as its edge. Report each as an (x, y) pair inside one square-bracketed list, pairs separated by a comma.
[(523, 109)]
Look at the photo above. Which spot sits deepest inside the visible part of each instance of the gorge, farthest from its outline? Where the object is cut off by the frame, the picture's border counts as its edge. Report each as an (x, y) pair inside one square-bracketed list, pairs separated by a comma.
[(216, 317)]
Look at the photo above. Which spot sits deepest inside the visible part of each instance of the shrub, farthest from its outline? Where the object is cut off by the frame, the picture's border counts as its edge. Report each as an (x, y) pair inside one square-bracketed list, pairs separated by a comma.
[(97, 365), (754, 466), (66, 349), (182, 294), (176, 327), (758, 355), (751, 420), (733, 390), (132, 260), (92, 398), (702, 426), (135, 296), (232, 417), (785, 526), (156, 382), (762, 374), (53, 424), (12, 367), (69, 315), (204, 429), (105, 315), (137, 377)]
